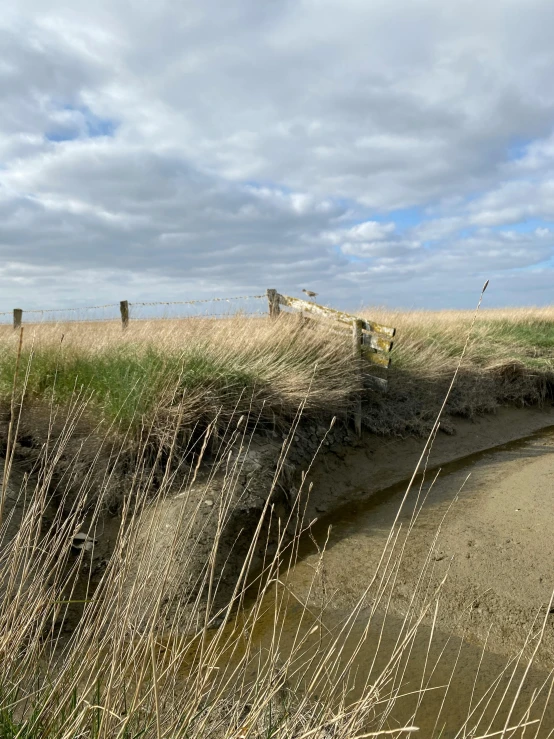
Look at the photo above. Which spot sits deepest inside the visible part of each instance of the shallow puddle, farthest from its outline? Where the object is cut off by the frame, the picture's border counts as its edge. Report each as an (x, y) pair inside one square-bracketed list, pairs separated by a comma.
[(442, 684), (495, 544)]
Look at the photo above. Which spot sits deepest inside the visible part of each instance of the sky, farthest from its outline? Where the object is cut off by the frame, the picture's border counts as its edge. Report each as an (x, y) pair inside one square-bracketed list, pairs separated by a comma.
[(378, 152)]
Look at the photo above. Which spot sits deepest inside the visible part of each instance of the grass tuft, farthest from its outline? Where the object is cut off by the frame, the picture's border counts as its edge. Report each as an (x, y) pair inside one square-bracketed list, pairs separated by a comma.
[(268, 369)]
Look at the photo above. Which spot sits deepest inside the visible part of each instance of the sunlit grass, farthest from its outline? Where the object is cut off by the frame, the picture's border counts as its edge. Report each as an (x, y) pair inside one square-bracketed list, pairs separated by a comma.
[(214, 368), (431, 341), (266, 368), (143, 658)]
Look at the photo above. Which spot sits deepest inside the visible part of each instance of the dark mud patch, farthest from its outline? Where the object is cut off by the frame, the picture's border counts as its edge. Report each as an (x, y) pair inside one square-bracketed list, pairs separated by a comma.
[(327, 468)]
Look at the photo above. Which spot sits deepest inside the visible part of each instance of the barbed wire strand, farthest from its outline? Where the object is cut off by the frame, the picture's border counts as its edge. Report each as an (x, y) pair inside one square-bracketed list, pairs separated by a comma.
[(68, 310), (204, 300), (201, 315), (157, 302), (162, 318)]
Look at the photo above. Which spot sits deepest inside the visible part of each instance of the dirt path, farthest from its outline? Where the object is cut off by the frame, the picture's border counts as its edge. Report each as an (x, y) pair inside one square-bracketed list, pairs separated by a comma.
[(356, 471), (497, 543)]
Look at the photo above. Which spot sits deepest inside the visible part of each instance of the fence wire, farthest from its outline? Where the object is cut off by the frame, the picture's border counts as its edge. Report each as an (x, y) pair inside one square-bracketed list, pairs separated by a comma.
[(142, 311), (245, 305), (69, 310), (203, 300)]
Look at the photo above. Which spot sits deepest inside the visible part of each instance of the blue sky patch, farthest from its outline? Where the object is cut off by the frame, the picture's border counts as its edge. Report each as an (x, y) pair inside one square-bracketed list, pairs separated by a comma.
[(518, 147), (404, 218), (66, 134), (81, 123)]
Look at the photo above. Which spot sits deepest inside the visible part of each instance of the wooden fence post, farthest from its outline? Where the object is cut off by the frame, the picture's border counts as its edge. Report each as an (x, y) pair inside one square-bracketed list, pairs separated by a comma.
[(273, 300), (124, 308), (357, 325), (17, 317)]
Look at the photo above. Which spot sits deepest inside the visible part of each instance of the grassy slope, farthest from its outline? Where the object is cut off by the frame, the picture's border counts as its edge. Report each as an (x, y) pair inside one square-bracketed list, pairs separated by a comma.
[(221, 365), (509, 361), (203, 368), (436, 339), (268, 369)]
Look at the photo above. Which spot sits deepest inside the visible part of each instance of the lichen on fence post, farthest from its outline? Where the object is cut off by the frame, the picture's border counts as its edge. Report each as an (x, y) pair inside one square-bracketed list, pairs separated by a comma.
[(273, 300), (357, 325), (124, 308), (17, 317)]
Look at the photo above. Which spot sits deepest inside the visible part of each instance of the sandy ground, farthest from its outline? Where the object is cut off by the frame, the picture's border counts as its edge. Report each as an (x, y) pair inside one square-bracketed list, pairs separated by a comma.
[(496, 519), (356, 472), (496, 541), (496, 513)]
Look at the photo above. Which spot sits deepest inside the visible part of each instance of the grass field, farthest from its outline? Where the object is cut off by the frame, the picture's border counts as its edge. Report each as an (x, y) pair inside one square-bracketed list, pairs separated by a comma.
[(113, 677), (431, 342), (214, 368)]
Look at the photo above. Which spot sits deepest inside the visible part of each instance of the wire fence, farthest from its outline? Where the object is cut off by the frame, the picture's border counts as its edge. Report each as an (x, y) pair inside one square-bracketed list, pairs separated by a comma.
[(245, 305), (369, 340), (127, 311)]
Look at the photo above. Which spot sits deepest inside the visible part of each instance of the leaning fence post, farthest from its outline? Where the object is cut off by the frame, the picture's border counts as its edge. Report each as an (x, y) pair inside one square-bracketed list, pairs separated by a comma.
[(357, 325), (124, 308), (17, 317), (273, 300)]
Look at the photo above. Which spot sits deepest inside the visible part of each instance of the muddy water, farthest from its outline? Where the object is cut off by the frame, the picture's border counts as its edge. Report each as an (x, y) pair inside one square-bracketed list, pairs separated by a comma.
[(495, 511)]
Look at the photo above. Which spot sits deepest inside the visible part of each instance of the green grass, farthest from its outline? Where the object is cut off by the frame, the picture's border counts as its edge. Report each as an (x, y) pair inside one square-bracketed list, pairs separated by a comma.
[(208, 369), (265, 370), (197, 371), (433, 343), (122, 382)]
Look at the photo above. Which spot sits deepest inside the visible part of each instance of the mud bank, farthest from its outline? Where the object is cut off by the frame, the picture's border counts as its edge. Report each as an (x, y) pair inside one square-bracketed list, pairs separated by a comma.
[(272, 471), (229, 494), (493, 511), (345, 474)]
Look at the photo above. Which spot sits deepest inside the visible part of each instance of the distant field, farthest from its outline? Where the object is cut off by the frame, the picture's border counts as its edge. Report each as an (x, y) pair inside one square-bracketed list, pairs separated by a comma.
[(432, 341), (210, 368)]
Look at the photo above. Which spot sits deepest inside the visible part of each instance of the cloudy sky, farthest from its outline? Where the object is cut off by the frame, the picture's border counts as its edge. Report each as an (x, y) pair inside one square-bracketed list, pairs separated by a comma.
[(396, 152)]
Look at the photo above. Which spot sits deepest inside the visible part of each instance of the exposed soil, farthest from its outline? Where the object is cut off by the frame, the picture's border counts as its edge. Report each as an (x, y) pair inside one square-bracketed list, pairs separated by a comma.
[(344, 472), (496, 545), (363, 467), (496, 540)]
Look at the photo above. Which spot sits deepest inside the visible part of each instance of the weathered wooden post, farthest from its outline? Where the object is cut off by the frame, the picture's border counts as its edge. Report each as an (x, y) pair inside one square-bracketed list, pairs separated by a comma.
[(273, 300), (17, 318), (357, 325), (124, 308)]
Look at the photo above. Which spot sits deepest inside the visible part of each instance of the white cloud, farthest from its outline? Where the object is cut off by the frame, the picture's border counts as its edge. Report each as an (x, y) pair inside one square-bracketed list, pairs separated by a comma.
[(386, 250), (254, 143), (370, 230)]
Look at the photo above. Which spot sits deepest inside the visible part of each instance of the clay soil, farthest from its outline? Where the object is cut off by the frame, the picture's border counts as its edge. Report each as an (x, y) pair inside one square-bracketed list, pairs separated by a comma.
[(495, 509)]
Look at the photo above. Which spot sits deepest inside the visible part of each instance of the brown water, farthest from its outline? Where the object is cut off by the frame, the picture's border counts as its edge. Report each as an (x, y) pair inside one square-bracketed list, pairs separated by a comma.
[(492, 542)]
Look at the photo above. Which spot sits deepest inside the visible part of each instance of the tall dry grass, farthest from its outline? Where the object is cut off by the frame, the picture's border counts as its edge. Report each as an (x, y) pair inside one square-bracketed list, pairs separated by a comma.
[(102, 662), (431, 341), (209, 368), (263, 368), (119, 673), (509, 360)]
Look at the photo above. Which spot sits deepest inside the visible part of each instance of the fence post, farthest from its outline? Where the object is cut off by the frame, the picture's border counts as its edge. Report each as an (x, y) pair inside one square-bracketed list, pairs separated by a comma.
[(357, 325), (273, 300), (17, 318), (124, 308)]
